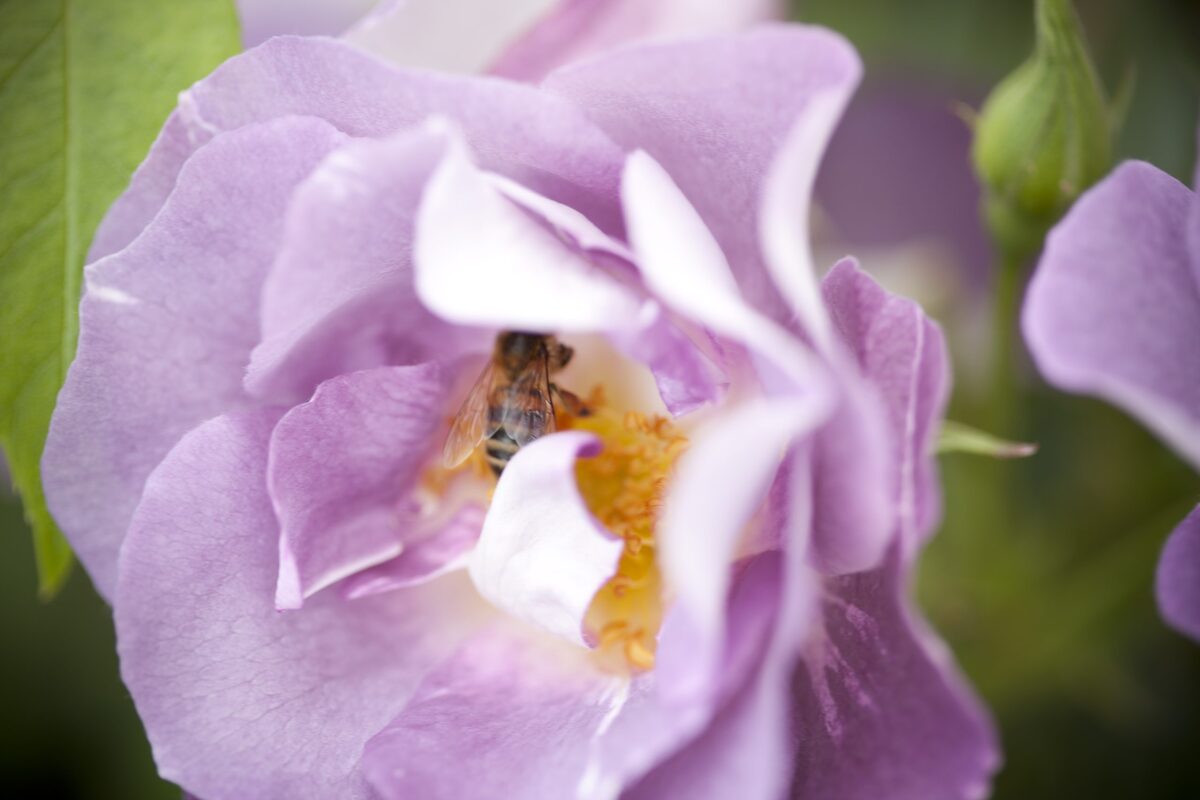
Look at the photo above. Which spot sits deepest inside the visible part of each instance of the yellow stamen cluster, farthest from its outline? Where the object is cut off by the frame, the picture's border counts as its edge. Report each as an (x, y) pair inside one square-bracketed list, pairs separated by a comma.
[(623, 487)]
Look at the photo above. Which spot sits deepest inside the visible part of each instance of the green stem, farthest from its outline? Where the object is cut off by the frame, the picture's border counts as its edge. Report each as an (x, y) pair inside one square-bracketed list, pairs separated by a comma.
[(1003, 400)]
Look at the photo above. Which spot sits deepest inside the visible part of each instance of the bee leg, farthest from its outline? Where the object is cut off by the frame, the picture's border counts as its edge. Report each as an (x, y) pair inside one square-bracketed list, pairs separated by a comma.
[(570, 401), (561, 357)]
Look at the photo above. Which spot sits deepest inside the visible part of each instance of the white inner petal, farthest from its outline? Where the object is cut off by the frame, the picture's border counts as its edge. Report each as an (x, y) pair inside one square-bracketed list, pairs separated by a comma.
[(482, 260), (542, 556)]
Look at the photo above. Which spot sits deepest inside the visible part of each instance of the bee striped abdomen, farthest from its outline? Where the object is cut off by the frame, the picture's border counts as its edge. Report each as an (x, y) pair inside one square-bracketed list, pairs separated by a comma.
[(500, 448), (518, 420)]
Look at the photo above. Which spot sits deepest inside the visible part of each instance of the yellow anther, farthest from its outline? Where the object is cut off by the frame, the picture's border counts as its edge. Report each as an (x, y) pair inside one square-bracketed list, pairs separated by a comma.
[(637, 654), (613, 633), (623, 487), (620, 584)]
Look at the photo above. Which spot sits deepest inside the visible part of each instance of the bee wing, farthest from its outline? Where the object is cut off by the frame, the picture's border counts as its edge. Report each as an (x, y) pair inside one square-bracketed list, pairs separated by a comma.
[(471, 424), (529, 412)]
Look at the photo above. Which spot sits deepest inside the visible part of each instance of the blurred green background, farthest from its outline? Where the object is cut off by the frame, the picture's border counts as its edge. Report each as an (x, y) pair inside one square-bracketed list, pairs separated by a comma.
[(1041, 577)]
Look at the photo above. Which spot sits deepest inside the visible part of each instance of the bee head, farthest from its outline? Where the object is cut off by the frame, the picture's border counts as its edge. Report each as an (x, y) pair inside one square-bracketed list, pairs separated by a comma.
[(515, 350)]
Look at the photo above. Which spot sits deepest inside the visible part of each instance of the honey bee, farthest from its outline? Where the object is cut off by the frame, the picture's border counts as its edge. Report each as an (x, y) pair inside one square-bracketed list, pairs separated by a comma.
[(512, 402)]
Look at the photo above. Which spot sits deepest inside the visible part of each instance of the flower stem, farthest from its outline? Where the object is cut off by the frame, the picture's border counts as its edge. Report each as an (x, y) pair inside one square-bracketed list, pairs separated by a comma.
[(1004, 387)]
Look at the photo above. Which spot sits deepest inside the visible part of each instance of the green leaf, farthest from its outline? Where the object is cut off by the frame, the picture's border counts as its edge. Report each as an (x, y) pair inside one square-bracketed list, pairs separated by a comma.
[(84, 87), (956, 437)]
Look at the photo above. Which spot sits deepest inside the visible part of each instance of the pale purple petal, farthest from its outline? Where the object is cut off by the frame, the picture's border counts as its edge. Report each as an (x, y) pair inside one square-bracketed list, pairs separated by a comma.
[(714, 113), (927, 403), (687, 379), (529, 136), (902, 353), (340, 296), (442, 550), (482, 260), (1114, 307), (239, 700), (166, 329), (786, 205), (719, 483), (1194, 219), (654, 724), (447, 35), (853, 488), (262, 19), (748, 748), (1178, 579), (746, 752), (580, 28), (342, 471), (508, 716), (683, 265), (879, 709), (565, 220), (542, 556)]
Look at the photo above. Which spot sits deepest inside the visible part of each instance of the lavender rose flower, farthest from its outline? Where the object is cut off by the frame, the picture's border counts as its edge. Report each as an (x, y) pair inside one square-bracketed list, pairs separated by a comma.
[(520, 39), (697, 589), (1114, 311)]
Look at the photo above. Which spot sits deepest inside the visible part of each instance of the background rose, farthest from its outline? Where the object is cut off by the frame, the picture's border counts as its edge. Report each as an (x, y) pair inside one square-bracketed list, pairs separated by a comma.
[(1114, 311), (521, 39), (254, 186)]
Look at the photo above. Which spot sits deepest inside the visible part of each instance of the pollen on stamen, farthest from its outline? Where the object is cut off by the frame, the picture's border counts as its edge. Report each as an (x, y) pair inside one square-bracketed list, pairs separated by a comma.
[(623, 486)]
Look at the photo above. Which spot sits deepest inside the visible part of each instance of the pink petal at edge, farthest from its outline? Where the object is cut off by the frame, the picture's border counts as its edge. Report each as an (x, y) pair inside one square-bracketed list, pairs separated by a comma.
[(342, 470), (239, 700), (166, 329)]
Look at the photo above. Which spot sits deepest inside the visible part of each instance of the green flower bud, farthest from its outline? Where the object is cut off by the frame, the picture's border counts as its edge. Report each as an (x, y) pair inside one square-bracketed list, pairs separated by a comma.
[(1044, 135)]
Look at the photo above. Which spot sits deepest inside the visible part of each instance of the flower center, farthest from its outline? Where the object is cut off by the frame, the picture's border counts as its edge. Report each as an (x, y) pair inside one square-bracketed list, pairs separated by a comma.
[(623, 488)]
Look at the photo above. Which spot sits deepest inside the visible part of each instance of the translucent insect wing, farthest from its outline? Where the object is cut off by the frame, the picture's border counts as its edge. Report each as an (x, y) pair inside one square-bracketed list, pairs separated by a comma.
[(529, 412), (471, 424)]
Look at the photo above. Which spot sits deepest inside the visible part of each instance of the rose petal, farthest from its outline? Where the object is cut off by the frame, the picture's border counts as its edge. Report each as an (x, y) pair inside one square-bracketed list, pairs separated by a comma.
[(167, 326), (654, 724), (529, 136), (686, 378), (481, 260), (542, 556), (1194, 220), (748, 749), (565, 221), (447, 35), (714, 113), (719, 483), (342, 469), (443, 550), (852, 482), (340, 296), (683, 264), (1114, 307), (879, 709), (576, 30), (785, 210), (262, 19), (746, 752), (1178, 579), (902, 353), (239, 700), (509, 715)]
